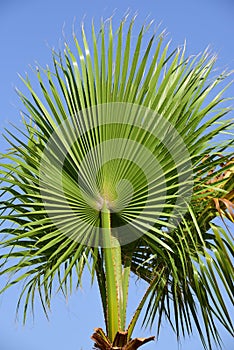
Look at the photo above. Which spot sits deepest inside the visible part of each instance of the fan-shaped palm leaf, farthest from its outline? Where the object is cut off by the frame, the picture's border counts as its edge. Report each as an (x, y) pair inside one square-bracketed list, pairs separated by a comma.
[(117, 170)]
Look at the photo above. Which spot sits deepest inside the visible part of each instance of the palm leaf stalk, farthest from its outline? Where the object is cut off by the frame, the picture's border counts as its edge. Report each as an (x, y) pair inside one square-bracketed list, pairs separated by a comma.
[(123, 165)]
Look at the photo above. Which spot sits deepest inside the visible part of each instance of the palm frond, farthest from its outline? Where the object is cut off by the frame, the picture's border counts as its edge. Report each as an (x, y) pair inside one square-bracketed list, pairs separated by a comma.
[(140, 133)]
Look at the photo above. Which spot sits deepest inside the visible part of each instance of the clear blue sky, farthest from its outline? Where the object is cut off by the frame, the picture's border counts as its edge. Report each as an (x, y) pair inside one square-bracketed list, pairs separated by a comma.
[(27, 29)]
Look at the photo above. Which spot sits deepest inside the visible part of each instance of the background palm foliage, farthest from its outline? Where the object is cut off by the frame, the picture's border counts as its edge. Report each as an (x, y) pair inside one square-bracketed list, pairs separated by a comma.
[(187, 262)]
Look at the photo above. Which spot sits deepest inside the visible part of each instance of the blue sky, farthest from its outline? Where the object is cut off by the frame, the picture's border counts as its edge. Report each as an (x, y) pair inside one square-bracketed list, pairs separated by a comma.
[(28, 29)]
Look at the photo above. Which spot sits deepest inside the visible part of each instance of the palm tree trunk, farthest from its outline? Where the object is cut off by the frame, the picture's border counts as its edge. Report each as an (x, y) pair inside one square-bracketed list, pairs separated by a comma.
[(121, 342)]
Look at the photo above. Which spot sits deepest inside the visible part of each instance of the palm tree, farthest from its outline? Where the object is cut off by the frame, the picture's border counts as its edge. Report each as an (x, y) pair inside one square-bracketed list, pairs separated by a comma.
[(124, 162)]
